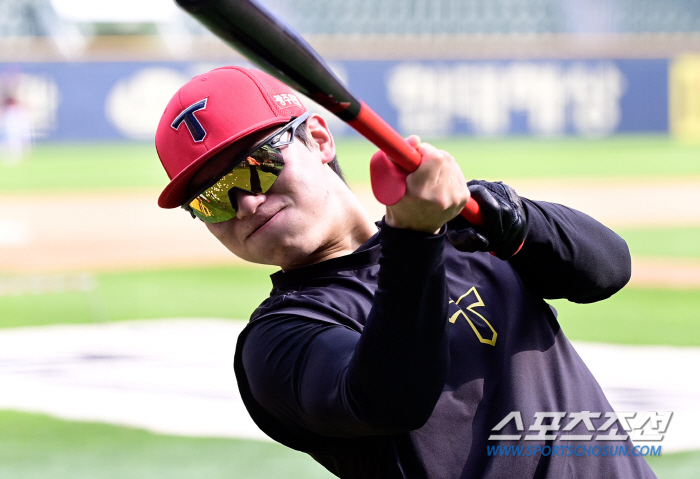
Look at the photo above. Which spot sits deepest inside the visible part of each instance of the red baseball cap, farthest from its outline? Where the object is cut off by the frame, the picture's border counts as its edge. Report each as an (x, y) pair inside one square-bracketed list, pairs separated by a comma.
[(212, 111)]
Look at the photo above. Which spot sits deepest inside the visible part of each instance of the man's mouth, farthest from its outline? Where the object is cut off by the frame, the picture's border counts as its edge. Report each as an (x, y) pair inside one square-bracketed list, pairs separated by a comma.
[(261, 222)]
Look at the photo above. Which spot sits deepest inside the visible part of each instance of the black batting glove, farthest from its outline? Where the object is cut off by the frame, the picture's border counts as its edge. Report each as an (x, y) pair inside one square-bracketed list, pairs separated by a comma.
[(505, 222)]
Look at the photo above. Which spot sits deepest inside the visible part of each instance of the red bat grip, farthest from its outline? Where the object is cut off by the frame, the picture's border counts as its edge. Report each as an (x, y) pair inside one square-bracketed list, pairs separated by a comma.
[(375, 129)]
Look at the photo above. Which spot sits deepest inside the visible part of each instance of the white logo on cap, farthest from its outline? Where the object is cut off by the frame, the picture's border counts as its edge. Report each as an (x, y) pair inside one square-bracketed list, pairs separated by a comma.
[(286, 100)]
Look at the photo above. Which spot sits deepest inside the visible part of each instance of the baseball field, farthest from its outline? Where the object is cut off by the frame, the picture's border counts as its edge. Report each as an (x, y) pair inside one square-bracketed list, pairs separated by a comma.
[(84, 247)]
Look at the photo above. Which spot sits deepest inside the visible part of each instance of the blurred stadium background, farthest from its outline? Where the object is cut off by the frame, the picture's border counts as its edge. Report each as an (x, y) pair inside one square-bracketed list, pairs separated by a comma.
[(592, 103)]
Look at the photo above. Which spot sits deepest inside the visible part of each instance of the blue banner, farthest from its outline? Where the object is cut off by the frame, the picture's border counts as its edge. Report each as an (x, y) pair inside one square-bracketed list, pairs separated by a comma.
[(124, 100)]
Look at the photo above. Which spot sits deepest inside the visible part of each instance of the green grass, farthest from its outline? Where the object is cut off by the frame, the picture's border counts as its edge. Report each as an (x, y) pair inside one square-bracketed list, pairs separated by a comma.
[(66, 166), (684, 465), (204, 292), (34, 446), (663, 242), (508, 158), (635, 316)]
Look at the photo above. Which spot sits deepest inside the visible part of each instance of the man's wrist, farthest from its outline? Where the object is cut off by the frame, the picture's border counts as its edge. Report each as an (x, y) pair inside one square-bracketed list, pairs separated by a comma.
[(417, 232), (397, 223)]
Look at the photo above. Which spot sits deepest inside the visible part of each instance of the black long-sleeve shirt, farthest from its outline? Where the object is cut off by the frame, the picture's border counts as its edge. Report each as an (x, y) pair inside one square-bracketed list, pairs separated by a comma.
[(399, 359)]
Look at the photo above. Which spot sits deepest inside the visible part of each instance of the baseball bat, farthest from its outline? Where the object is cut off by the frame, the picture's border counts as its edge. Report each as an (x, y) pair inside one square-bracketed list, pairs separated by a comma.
[(276, 48)]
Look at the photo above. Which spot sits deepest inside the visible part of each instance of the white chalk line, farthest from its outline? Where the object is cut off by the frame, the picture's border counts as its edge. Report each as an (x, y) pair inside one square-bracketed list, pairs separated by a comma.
[(176, 377)]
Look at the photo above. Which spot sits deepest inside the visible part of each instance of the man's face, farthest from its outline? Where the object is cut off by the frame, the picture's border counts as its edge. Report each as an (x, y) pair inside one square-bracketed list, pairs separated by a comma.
[(293, 223)]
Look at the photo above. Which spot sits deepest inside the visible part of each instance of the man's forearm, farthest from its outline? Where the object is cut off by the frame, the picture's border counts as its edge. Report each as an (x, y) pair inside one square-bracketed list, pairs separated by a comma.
[(568, 254), (403, 352)]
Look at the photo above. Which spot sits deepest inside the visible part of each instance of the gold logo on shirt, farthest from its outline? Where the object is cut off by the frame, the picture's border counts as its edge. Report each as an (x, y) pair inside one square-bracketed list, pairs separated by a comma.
[(478, 303)]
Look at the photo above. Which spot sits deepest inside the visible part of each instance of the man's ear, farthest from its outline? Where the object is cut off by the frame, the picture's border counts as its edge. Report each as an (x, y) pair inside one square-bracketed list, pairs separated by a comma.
[(321, 135)]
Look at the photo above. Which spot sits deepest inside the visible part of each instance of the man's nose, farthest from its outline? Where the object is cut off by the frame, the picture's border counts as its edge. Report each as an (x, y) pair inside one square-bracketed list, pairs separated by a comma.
[(247, 203)]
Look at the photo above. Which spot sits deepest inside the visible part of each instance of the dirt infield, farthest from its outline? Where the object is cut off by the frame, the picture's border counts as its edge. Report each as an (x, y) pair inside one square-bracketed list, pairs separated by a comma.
[(106, 231)]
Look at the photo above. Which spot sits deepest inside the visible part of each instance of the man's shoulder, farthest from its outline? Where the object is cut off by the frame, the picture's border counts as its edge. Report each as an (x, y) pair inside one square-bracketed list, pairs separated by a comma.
[(344, 298)]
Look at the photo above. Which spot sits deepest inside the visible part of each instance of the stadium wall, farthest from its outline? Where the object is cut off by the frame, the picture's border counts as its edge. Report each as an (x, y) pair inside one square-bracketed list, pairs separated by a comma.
[(111, 100)]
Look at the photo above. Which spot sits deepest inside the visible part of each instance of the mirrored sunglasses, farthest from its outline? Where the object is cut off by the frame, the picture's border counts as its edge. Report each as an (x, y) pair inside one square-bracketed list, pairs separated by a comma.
[(255, 173)]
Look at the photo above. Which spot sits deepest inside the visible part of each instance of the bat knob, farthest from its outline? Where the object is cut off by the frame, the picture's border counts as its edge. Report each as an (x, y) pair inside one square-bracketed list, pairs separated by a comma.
[(388, 179)]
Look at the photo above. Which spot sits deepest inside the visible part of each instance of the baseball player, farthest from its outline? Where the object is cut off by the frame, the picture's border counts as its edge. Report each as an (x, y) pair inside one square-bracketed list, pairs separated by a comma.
[(411, 347)]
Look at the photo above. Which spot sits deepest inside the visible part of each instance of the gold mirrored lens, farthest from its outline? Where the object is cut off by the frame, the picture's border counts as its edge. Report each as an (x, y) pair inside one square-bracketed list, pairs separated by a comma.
[(211, 210), (255, 174)]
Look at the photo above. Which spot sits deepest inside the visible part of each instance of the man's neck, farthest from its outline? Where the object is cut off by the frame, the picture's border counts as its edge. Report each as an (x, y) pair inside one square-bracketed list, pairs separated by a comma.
[(345, 236)]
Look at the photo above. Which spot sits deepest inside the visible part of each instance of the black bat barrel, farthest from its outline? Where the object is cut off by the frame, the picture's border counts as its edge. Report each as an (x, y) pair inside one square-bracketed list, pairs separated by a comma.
[(276, 48)]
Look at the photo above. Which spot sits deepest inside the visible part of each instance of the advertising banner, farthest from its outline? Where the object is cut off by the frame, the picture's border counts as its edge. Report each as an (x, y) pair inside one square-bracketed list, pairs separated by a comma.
[(548, 98)]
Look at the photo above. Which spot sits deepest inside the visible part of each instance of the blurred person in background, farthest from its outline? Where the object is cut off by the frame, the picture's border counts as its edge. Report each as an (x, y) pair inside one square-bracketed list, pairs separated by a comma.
[(15, 128)]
